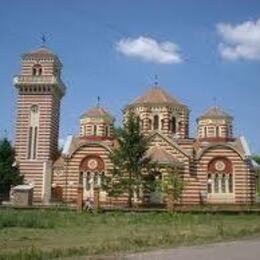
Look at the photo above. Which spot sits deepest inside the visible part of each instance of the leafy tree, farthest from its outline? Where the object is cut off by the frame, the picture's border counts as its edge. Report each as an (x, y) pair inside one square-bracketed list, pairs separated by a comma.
[(9, 173), (173, 186), (129, 160), (257, 159)]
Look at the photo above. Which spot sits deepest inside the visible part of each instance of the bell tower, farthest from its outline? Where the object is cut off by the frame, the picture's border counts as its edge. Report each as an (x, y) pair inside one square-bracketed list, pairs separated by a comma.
[(40, 90)]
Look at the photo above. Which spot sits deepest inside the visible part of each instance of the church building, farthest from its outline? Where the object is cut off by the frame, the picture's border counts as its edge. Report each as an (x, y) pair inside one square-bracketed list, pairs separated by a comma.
[(215, 165)]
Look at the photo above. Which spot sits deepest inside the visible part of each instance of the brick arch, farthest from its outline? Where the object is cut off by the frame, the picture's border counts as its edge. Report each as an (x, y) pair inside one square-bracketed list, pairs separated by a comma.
[(217, 146), (228, 164), (92, 163), (87, 144)]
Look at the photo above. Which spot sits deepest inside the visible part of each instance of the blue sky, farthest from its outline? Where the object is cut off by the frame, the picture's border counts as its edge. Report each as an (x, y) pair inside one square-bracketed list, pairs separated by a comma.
[(113, 49)]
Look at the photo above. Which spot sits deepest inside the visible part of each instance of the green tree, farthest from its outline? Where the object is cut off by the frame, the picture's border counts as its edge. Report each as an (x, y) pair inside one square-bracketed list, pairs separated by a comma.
[(9, 173), (257, 159), (129, 160), (173, 186)]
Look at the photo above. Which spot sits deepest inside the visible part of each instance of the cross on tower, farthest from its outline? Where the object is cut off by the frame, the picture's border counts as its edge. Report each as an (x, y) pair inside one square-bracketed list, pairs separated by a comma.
[(98, 101), (156, 80), (43, 39)]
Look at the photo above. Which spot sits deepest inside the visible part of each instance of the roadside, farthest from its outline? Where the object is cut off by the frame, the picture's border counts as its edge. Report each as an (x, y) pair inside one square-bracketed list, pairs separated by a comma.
[(235, 250)]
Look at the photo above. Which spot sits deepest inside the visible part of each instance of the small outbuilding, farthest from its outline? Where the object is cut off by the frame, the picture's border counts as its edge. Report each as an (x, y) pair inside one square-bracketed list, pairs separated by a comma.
[(22, 195)]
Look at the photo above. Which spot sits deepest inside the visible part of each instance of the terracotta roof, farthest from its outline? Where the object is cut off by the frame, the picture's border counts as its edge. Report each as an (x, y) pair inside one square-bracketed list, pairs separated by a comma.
[(59, 162), (98, 112), (42, 52), (159, 155), (216, 112), (156, 95)]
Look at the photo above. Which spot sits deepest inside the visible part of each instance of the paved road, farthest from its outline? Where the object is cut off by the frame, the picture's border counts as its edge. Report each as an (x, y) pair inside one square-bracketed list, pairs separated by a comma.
[(237, 250)]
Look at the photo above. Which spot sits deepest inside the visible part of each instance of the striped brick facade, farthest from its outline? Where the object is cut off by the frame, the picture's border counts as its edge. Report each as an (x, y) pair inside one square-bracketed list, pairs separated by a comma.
[(215, 166), (39, 86)]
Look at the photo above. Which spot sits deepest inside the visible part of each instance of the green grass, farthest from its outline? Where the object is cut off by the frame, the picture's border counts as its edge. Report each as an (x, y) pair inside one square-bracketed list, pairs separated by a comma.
[(47, 234)]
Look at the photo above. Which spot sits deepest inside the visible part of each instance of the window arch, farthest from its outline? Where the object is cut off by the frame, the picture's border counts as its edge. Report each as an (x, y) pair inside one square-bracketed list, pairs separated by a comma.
[(37, 70), (156, 122), (205, 131), (149, 124), (220, 183), (81, 178), (33, 132), (217, 131), (162, 124), (209, 183), (220, 177), (94, 130), (107, 130), (173, 124)]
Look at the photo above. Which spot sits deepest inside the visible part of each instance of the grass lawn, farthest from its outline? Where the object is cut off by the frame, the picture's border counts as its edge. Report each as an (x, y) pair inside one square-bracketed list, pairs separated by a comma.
[(46, 234)]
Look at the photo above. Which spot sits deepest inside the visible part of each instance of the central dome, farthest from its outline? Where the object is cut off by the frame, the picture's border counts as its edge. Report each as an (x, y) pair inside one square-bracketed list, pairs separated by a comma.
[(156, 95)]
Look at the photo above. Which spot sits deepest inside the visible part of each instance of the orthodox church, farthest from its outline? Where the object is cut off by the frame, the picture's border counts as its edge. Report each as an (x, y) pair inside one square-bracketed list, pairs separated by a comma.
[(215, 165)]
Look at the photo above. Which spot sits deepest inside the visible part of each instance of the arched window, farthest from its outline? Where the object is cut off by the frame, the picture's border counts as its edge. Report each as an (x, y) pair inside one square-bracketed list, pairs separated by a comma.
[(205, 131), (37, 70), (102, 178), (216, 183), (230, 183), (209, 183), (94, 130), (81, 178), (162, 124), (149, 124), (173, 126), (88, 181), (223, 183), (107, 132), (217, 131), (220, 183), (33, 132), (220, 172), (96, 178), (34, 71), (156, 122)]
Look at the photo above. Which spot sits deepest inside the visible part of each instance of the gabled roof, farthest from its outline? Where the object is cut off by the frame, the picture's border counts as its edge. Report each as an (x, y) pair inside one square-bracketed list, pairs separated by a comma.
[(216, 112), (98, 112), (74, 143), (171, 142), (160, 156), (156, 95)]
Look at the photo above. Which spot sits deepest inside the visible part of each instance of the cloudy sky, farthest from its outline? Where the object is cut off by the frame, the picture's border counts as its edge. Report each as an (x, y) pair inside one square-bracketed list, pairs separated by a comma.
[(200, 50)]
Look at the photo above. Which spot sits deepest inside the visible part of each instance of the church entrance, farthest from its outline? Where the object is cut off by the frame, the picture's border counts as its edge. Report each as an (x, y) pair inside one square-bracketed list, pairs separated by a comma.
[(156, 196), (92, 171), (56, 193)]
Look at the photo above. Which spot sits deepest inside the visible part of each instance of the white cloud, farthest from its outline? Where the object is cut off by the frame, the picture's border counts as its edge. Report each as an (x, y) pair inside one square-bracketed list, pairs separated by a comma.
[(241, 41), (150, 50)]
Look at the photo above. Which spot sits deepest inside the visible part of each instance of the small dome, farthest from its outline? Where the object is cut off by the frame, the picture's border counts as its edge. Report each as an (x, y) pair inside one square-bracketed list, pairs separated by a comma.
[(42, 52), (98, 112), (156, 95), (215, 113)]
